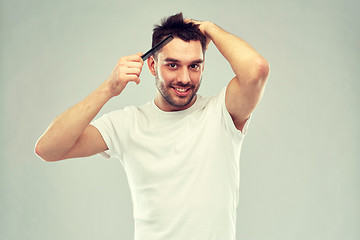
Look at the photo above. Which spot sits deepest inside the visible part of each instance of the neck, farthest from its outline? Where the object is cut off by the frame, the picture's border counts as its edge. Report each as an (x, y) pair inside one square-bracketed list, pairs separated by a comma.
[(162, 104)]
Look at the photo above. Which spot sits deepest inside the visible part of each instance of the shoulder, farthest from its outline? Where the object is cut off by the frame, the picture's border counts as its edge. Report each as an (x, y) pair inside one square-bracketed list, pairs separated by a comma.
[(219, 107), (210, 99), (128, 111), (217, 99), (119, 117)]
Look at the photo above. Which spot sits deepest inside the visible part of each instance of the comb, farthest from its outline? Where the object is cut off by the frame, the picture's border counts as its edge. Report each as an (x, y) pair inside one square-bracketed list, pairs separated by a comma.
[(158, 46)]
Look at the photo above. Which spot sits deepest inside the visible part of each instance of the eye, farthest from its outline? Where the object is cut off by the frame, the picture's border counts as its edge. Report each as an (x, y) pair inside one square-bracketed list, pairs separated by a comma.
[(194, 66), (172, 65)]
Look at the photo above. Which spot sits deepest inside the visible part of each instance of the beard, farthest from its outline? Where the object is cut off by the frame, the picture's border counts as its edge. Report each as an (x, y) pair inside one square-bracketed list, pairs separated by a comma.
[(174, 100)]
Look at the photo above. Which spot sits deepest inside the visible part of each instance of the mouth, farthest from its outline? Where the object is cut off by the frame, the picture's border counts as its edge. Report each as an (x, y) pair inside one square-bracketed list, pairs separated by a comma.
[(181, 91)]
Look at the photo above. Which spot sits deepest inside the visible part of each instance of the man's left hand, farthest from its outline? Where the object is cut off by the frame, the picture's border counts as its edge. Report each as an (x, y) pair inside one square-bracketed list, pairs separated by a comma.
[(203, 26)]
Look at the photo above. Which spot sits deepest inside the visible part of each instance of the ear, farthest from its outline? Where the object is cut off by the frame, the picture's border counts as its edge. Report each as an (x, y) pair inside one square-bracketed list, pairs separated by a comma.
[(151, 64)]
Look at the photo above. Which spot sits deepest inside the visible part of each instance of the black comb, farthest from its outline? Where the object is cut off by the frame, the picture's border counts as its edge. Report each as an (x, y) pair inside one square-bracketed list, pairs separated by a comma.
[(158, 46)]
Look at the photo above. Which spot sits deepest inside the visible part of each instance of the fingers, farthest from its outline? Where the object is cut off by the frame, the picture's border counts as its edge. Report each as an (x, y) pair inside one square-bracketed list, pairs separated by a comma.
[(132, 78), (133, 75), (128, 75), (188, 20), (140, 54), (202, 25), (134, 64), (128, 62), (129, 68), (133, 58)]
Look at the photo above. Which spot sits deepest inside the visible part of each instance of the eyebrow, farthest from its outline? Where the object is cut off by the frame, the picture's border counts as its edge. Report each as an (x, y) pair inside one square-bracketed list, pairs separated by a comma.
[(174, 60)]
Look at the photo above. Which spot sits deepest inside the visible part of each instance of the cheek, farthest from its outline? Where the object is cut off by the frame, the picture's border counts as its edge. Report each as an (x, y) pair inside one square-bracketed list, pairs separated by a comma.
[(166, 75), (159, 75), (196, 76)]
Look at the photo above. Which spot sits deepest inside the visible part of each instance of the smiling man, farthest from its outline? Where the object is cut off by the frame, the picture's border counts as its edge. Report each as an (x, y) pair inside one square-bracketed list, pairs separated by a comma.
[(178, 70), (180, 151)]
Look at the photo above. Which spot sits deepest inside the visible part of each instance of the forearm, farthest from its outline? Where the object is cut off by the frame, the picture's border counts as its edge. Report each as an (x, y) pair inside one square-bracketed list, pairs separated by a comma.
[(60, 140), (245, 61), (68, 127)]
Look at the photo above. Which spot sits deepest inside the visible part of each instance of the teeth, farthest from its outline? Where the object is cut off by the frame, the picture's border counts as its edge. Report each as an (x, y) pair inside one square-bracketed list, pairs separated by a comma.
[(181, 89)]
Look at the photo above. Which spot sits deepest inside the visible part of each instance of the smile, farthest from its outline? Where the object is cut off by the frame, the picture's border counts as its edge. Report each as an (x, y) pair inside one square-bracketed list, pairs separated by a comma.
[(181, 91)]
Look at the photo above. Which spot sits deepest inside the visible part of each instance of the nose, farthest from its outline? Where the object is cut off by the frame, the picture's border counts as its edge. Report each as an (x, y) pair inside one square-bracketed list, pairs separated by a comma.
[(184, 76)]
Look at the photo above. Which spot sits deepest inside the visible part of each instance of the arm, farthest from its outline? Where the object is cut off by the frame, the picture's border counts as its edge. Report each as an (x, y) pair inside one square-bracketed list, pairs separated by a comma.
[(245, 90), (70, 134)]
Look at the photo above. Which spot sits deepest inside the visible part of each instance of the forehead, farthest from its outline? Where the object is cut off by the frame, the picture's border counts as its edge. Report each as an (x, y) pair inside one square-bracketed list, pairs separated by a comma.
[(182, 51)]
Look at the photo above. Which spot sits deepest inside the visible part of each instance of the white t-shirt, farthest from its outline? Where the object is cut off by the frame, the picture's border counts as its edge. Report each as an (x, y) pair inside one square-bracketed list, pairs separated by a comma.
[(182, 168)]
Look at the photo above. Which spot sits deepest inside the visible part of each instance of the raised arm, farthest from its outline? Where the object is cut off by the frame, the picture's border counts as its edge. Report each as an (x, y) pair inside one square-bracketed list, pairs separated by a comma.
[(251, 70), (70, 134)]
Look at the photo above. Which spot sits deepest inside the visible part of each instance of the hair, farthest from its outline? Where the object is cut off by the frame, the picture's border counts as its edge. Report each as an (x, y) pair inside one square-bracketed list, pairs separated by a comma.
[(176, 26)]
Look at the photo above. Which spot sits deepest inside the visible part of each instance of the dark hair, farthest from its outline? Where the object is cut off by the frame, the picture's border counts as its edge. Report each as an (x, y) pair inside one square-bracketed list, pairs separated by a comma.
[(178, 28)]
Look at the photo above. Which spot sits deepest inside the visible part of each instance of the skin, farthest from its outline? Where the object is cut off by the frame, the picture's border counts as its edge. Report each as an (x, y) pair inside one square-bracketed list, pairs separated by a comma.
[(178, 70), (251, 70), (70, 135)]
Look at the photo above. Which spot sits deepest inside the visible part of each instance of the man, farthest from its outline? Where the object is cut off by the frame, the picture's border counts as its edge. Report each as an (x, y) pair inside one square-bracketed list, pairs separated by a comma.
[(181, 151)]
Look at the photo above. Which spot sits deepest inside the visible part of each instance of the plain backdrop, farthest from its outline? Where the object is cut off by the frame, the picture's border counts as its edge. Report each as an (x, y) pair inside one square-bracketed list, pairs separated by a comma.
[(300, 164)]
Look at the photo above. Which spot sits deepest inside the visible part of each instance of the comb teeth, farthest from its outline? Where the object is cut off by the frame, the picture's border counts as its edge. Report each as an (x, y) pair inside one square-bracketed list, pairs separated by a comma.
[(158, 46)]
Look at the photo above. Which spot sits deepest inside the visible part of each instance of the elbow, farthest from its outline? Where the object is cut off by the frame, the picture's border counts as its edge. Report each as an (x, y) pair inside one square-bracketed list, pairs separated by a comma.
[(41, 152), (254, 73), (261, 70)]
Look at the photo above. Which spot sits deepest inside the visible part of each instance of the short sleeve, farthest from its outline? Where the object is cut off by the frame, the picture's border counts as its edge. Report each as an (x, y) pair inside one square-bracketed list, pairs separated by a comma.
[(227, 117), (106, 128)]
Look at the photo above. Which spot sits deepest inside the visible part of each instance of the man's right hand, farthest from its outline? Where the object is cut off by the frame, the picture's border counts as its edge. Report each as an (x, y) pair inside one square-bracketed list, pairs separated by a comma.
[(127, 69), (70, 134)]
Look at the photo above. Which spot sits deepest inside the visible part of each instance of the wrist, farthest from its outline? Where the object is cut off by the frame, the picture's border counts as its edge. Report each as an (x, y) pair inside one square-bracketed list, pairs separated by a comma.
[(209, 28), (104, 91)]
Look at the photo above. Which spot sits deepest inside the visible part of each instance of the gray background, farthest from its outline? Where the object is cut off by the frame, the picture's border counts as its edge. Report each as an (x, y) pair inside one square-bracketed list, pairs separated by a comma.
[(300, 173)]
